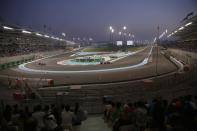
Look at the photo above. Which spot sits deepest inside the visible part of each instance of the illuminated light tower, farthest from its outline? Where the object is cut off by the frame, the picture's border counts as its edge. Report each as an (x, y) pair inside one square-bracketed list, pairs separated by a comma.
[(64, 34), (120, 34), (110, 31), (124, 29), (110, 27)]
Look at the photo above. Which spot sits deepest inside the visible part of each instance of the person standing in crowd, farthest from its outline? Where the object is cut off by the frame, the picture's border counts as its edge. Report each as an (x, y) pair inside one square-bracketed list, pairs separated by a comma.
[(67, 117), (140, 116), (51, 124), (79, 116), (38, 115)]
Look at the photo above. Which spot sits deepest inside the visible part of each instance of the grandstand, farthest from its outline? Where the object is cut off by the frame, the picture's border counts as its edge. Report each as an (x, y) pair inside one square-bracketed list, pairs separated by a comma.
[(185, 35), (19, 41)]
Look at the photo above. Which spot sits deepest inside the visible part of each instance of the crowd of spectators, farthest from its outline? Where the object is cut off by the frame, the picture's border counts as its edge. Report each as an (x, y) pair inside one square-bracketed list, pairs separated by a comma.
[(17, 49), (187, 46), (49, 118), (180, 114), (13, 44)]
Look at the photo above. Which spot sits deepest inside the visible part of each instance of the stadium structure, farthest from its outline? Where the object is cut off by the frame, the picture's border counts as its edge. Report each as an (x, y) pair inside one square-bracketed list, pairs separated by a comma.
[(40, 68)]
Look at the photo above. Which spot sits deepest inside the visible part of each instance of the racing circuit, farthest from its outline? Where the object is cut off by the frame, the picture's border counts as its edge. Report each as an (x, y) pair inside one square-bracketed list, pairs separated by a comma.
[(136, 65)]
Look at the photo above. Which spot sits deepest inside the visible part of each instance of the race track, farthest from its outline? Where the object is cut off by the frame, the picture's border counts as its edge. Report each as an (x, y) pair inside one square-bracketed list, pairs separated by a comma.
[(137, 66)]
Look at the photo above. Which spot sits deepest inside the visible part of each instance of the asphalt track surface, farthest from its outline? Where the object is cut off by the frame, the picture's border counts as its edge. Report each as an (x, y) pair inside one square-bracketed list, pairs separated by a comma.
[(148, 70)]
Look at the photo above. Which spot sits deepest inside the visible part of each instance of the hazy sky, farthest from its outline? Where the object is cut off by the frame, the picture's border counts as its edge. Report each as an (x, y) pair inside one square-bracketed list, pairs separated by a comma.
[(91, 18)]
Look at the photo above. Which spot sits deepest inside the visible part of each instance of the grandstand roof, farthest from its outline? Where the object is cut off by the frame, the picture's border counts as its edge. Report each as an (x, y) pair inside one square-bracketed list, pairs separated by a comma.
[(187, 33)]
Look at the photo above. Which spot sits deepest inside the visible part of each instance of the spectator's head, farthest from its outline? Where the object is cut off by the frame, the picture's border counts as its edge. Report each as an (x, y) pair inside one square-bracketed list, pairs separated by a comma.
[(67, 107), (76, 107), (118, 105), (38, 108), (15, 108), (62, 106), (46, 108)]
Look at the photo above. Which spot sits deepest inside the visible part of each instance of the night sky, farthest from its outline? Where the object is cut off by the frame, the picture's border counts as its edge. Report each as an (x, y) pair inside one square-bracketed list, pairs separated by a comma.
[(91, 18)]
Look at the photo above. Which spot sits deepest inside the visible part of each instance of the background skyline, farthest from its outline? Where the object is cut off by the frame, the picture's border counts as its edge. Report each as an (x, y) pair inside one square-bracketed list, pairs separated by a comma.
[(91, 18)]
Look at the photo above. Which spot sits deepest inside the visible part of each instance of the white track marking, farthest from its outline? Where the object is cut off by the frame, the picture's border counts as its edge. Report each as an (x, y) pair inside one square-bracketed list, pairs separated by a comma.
[(144, 62)]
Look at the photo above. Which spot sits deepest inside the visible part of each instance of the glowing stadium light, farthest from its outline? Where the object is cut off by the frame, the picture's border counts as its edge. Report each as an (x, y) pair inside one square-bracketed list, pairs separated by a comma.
[(166, 31), (112, 31), (52, 37), (38, 34), (181, 28), (124, 27), (188, 24), (110, 27), (7, 28), (90, 39), (46, 36), (119, 33), (55, 38), (63, 34), (26, 32)]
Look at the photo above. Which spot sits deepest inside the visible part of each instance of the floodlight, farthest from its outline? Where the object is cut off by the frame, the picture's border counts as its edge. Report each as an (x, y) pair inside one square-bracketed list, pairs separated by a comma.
[(110, 27), (26, 32), (63, 34), (181, 28), (7, 28), (188, 24), (38, 34), (46, 36)]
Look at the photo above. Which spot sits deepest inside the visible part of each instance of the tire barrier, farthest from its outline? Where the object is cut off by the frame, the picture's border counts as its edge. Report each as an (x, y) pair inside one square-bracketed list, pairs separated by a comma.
[(15, 63)]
